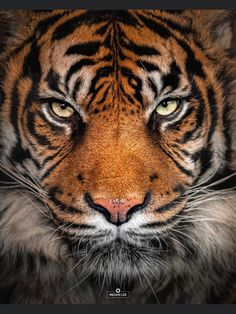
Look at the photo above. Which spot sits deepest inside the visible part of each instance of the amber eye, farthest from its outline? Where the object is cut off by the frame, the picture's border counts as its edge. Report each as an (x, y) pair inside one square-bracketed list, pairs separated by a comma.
[(168, 106), (62, 110)]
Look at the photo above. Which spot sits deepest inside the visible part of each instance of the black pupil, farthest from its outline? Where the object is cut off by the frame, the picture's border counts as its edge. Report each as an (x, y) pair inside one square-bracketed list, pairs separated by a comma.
[(63, 106), (165, 104)]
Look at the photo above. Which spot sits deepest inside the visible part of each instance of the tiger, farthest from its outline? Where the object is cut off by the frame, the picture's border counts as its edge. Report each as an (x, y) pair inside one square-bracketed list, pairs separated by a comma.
[(118, 157)]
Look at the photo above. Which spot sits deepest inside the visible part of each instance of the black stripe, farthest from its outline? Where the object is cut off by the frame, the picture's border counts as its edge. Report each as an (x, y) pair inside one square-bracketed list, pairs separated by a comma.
[(138, 95), (147, 66), (178, 153), (174, 11), (205, 157), (68, 27), (128, 96), (155, 27), (199, 113), (76, 88), (105, 94), (107, 57), (102, 30), (184, 30), (174, 203), (179, 189), (172, 78), (41, 28), (94, 93), (60, 205), (188, 135), (125, 17), (94, 17), (78, 66), (183, 151), (192, 64), (2, 96), (213, 111), (139, 50), (87, 18), (153, 87), (18, 154), (69, 224), (87, 48), (157, 224), (205, 154), (53, 167), (41, 139), (54, 128), (181, 168), (80, 226), (53, 80), (226, 81), (32, 66), (31, 69), (177, 125), (51, 157), (94, 89)]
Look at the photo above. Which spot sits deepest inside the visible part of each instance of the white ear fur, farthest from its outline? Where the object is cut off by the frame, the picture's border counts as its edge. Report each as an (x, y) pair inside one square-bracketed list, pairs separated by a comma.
[(224, 34), (216, 25), (13, 23)]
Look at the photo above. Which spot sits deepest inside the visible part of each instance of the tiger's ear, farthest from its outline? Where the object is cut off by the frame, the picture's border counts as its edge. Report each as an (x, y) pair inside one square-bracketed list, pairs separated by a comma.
[(13, 24), (215, 26)]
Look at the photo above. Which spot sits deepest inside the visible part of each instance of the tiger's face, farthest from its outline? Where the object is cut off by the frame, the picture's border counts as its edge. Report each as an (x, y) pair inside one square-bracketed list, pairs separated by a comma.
[(117, 117)]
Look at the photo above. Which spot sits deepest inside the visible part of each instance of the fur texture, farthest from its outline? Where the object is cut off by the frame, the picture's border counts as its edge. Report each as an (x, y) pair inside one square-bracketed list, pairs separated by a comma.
[(114, 69)]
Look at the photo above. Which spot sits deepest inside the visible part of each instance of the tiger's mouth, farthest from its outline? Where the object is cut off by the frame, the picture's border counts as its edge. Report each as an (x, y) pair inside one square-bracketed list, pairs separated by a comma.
[(120, 250), (123, 258)]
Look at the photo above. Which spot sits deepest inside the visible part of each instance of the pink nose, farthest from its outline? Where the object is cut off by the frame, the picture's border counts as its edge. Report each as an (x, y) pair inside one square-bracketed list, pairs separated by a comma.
[(117, 208)]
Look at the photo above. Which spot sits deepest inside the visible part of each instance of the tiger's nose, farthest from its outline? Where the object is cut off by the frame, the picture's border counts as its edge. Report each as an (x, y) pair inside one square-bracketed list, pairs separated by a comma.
[(118, 208), (117, 211)]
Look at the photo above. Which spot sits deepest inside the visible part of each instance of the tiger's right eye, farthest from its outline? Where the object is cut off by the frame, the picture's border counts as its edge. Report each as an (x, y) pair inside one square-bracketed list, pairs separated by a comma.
[(62, 110), (168, 106)]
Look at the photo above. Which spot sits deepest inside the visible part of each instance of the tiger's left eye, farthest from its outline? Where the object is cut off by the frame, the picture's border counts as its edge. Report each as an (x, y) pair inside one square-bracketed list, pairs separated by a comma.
[(62, 110), (168, 106)]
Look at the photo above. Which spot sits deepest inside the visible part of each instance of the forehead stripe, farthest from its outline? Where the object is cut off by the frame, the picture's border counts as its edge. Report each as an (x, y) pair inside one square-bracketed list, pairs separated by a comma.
[(76, 67), (193, 65), (87, 48)]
